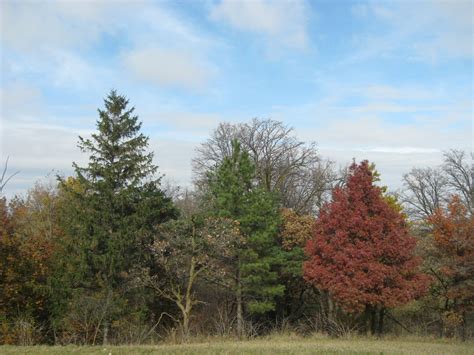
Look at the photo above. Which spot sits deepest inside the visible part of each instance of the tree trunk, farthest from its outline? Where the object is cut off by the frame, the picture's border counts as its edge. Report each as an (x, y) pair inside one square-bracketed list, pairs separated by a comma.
[(186, 310), (106, 333), (366, 320), (463, 326), (441, 326), (381, 317), (240, 318), (188, 302), (322, 305), (185, 326), (370, 319), (373, 320), (330, 309)]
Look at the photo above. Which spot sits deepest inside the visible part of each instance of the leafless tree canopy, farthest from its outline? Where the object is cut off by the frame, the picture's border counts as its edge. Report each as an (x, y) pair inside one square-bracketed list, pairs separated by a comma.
[(459, 172), (427, 189), (283, 164)]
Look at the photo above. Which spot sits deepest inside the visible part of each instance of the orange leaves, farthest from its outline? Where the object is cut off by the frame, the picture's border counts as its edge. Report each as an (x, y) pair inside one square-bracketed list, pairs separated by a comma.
[(453, 241), (28, 239), (454, 230)]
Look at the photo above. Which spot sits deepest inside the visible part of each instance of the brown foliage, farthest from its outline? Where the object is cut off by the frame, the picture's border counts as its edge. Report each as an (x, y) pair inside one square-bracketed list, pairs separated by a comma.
[(453, 241), (296, 229), (27, 242)]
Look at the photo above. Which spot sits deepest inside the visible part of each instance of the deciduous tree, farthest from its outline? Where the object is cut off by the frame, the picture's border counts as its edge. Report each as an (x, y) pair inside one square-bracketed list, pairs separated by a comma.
[(361, 251), (187, 251), (453, 259), (283, 164), (295, 230), (428, 189)]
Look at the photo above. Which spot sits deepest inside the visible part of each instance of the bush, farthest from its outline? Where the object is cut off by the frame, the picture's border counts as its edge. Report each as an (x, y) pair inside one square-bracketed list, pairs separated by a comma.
[(22, 330)]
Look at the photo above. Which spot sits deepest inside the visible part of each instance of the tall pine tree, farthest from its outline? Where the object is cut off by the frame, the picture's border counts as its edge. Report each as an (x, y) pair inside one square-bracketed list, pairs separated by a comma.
[(118, 205), (236, 196)]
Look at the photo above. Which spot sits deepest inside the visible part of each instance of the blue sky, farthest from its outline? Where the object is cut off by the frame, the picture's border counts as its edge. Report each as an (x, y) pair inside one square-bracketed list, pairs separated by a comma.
[(391, 82)]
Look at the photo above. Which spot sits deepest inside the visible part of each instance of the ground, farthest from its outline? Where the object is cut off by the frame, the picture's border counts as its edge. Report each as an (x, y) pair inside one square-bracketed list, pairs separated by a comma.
[(268, 345)]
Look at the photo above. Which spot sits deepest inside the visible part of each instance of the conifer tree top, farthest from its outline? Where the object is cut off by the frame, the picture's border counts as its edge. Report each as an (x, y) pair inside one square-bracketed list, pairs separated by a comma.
[(118, 151)]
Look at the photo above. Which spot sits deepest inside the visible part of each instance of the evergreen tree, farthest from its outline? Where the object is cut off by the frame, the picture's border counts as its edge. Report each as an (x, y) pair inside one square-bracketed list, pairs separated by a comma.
[(236, 196), (119, 202)]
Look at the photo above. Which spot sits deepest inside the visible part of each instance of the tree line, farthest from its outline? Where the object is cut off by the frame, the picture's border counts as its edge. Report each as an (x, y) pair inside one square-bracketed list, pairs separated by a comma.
[(271, 238)]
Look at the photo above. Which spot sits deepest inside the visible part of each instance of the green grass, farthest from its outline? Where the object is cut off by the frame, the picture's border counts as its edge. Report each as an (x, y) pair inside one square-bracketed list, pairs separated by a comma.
[(267, 345)]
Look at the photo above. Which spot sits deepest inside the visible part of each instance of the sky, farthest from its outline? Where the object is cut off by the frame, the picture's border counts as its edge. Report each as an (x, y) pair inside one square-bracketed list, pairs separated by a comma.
[(391, 82)]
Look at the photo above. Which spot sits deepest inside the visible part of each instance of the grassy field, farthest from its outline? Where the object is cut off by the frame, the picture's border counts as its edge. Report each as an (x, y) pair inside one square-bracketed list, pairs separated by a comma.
[(269, 345)]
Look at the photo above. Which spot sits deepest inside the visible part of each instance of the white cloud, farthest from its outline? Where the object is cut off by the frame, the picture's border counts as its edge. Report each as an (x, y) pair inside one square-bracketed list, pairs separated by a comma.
[(37, 149), (75, 71), (397, 127), (170, 29), (35, 145), (370, 134), (173, 158), (400, 150), (40, 144), (55, 40), (429, 31), (168, 67), (30, 136), (197, 122), (14, 97), (395, 148), (391, 165), (281, 20), (30, 26), (389, 92), (35, 26)]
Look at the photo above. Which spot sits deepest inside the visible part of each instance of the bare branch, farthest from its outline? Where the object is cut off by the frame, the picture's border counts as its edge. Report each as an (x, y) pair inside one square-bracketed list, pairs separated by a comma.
[(460, 176), (4, 179), (283, 163), (428, 189)]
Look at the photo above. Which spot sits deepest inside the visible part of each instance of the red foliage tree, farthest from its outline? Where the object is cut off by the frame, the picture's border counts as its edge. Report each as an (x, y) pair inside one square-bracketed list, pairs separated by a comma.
[(361, 252)]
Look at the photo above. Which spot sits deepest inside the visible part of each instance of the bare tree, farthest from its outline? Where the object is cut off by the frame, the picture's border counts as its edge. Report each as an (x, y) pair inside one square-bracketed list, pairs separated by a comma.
[(215, 149), (426, 189), (306, 189), (283, 163), (459, 175)]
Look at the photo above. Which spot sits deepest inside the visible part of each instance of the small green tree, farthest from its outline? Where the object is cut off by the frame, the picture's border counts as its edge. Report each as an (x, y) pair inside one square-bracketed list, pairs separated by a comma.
[(118, 206), (235, 195)]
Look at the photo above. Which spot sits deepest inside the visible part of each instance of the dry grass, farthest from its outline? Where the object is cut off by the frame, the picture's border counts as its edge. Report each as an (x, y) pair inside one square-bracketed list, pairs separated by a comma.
[(268, 345)]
